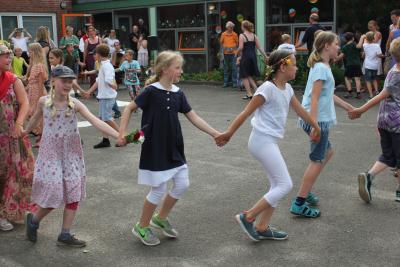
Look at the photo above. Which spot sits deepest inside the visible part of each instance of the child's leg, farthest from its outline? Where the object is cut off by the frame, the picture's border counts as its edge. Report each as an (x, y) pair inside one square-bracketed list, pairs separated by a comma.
[(40, 214), (268, 153), (181, 184), (375, 83), (358, 84), (151, 202), (69, 216)]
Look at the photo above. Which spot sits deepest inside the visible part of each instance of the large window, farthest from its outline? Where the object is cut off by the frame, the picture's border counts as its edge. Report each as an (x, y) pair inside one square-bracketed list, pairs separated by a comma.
[(289, 11), (185, 16), (29, 21)]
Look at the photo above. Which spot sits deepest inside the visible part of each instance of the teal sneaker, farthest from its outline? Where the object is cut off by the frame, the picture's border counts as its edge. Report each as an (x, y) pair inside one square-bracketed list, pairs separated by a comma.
[(30, 227), (397, 196), (247, 227), (304, 210), (272, 234), (364, 186), (164, 226), (145, 235), (312, 199)]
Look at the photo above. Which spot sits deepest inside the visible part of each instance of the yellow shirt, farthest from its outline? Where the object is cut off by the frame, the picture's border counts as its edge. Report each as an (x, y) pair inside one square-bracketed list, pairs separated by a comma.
[(17, 64)]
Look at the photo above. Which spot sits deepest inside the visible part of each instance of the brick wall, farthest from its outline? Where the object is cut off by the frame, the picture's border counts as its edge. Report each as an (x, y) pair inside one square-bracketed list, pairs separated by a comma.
[(37, 6)]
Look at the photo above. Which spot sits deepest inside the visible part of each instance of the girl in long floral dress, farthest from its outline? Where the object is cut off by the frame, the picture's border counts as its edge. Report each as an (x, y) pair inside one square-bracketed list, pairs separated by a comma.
[(16, 157), (37, 76)]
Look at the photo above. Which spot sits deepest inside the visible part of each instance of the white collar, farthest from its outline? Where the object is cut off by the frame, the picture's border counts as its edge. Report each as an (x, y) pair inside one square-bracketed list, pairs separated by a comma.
[(105, 61), (158, 85)]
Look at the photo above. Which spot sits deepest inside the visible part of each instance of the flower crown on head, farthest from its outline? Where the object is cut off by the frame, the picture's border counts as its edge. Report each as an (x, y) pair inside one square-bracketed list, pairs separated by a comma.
[(285, 61)]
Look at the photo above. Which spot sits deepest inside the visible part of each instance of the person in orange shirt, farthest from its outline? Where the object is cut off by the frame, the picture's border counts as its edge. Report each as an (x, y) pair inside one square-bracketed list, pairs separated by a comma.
[(229, 42)]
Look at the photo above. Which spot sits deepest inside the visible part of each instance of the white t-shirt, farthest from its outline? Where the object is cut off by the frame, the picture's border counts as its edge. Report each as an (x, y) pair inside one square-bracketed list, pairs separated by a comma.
[(110, 42), (21, 43), (105, 78), (372, 60), (270, 117), (286, 46)]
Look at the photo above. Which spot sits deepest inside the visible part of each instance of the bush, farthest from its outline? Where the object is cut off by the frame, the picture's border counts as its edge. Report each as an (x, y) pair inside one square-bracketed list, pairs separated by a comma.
[(214, 75)]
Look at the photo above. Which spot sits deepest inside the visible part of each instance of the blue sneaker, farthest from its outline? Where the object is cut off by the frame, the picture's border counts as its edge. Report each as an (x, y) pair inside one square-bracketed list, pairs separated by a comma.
[(312, 199), (304, 210), (397, 196), (31, 228), (247, 227), (272, 234)]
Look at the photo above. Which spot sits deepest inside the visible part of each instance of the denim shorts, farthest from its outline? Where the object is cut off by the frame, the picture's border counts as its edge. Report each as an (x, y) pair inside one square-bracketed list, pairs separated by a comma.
[(318, 150), (370, 75), (105, 109)]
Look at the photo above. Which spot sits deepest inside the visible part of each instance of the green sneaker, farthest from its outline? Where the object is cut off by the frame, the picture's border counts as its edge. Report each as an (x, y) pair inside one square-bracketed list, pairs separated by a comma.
[(164, 226), (397, 196), (145, 235)]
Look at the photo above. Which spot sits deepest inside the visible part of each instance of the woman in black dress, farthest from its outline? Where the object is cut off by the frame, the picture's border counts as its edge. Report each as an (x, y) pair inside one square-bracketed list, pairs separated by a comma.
[(247, 58), (162, 157)]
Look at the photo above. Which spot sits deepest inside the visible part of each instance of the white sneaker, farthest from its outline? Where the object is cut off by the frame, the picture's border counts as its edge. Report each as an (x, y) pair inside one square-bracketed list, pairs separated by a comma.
[(5, 225)]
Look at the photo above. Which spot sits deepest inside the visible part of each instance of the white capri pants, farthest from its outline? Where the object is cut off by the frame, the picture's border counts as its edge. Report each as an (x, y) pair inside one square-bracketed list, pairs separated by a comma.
[(181, 184), (266, 150)]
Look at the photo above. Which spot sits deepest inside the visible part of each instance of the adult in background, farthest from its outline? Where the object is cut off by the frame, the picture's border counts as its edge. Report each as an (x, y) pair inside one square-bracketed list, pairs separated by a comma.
[(143, 28), (43, 38), (143, 53), (394, 17), (16, 157), (229, 42), (20, 37), (69, 38), (110, 40), (247, 58), (308, 37), (90, 47), (134, 39)]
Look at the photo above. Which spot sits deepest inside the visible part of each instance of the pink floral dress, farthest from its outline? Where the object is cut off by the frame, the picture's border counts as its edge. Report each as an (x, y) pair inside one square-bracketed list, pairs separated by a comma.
[(16, 163), (59, 176), (36, 90)]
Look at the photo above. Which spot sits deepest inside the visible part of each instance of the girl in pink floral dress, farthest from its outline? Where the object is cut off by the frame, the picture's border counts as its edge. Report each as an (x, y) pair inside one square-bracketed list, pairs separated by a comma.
[(59, 177), (37, 76), (16, 157)]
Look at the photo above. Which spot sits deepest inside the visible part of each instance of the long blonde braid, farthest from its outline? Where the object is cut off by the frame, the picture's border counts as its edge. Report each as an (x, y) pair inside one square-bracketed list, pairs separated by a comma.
[(50, 104), (163, 60)]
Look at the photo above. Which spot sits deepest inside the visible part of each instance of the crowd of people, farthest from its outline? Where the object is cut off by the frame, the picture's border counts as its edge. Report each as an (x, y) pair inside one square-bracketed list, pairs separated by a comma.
[(57, 177)]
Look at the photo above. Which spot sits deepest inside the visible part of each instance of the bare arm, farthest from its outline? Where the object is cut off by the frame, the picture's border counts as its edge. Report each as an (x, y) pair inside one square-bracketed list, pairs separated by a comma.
[(96, 122), (361, 42), (341, 103), (316, 92), (356, 113), (34, 120), (23, 103), (259, 47), (389, 41), (28, 34), (201, 124)]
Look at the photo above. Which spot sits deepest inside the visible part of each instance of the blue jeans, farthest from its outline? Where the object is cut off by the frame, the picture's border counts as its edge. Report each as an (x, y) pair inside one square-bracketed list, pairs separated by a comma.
[(230, 69), (115, 108)]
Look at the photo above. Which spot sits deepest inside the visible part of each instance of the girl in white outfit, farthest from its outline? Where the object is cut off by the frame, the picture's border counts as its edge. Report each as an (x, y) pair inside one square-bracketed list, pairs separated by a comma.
[(271, 105)]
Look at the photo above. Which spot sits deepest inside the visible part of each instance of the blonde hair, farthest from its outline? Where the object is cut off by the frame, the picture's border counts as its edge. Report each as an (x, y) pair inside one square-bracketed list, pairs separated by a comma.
[(286, 37), (50, 103), (370, 36), (322, 39), (395, 49), (163, 60), (42, 34), (36, 56), (69, 29), (247, 25)]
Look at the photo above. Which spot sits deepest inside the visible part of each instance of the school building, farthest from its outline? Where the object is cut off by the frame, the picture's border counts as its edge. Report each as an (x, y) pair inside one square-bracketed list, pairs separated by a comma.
[(192, 26)]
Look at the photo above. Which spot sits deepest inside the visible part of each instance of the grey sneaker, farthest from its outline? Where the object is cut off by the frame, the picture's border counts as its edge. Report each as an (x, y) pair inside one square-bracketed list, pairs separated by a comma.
[(70, 241), (247, 227), (164, 226), (272, 234), (145, 235), (31, 228), (364, 186)]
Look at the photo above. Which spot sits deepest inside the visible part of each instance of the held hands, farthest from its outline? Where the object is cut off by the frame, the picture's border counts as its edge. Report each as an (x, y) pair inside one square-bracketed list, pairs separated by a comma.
[(86, 95), (222, 139), (354, 113), (18, 131), (121, 141), (315, 134)]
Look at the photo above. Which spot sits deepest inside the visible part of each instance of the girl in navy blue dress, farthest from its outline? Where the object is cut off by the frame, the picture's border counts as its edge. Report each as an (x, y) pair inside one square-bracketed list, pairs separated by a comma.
[(162, 157)]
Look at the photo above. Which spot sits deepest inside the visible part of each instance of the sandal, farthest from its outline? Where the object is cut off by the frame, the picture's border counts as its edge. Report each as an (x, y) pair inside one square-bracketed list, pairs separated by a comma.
[(312, 199), (304, 210)]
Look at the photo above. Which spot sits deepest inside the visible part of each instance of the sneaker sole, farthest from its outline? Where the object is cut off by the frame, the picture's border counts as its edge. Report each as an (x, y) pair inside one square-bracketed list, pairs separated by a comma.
[(362, 188), (62, 244), (305, 216), (237, 218), (7, 229), (142, 240), (164, 232), (274, 238)]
